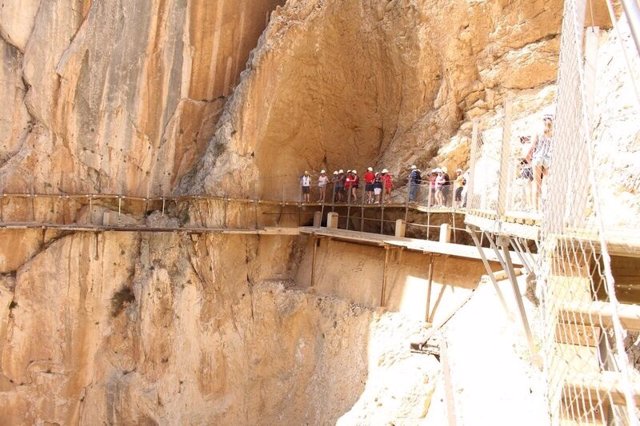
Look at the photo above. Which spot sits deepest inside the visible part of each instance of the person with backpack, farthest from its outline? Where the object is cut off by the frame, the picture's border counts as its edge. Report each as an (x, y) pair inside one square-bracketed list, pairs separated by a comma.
[(415, 179)]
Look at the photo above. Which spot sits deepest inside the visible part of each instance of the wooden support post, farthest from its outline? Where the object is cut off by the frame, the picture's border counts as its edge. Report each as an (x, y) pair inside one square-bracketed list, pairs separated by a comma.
[(384, 277), (401, 228), (225, 206), (453, 226), (255, 205), (487, 268), (427, 316), (33, 207), (2, 208), (315, 241), (90, 208), (163, 203), (504, 242), (381, 216), (119, 206)]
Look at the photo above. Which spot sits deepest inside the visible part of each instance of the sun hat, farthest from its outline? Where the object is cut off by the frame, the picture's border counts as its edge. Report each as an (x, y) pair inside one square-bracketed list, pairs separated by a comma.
[(413, 167), (385, 171), (354, 172), (370, 169), (335, 172), (341, 171), (323, 171)]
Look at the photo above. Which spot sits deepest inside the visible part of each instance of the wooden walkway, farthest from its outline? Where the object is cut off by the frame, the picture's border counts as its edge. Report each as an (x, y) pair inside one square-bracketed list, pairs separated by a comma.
[(413, 244), (268, 230)]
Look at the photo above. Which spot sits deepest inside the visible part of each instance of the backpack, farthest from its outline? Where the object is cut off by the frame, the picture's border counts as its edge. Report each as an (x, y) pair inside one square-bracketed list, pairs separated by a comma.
[(417, 178)]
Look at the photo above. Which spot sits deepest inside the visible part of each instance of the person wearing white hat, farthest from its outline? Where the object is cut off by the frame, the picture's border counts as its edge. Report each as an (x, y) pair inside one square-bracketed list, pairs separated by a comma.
[(415, 179), (387, 184), (305, 182), (323, 180), (369, 178)]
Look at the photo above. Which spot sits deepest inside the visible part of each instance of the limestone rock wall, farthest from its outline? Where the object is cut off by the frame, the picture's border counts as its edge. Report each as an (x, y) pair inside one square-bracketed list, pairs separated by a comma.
[(172, 330), (116, 96), (337, 84)]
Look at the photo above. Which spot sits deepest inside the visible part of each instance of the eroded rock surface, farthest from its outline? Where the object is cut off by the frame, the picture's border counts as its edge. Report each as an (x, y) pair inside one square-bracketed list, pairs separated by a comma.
[(116, 96), (342, 85)]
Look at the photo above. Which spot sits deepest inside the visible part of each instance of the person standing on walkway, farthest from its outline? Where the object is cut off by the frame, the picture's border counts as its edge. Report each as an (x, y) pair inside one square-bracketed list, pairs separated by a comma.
[(446, 187), (348, 182), (323, 180), (459, 186), (369, 178), (541, 157), (415, 179), (340, 186), (305, 183), (439, 187), (387, 183), (355, 184), (377, 188)]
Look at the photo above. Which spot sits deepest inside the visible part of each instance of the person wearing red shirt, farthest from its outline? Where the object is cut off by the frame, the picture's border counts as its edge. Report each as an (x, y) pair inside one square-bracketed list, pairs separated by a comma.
[(369, 177)]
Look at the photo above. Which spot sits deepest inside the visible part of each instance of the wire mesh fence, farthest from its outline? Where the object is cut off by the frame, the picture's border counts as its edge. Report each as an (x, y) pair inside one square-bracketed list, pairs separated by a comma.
[(586, 332), (571, 179)]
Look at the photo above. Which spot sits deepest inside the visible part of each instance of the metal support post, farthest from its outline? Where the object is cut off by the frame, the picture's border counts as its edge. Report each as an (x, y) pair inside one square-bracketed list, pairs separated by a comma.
[(487, 267), (632, 10), (519, 250), (504, 242)]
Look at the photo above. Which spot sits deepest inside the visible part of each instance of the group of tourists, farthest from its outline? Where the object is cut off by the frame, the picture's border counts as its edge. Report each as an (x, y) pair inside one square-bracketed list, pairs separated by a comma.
[(345, 185), (438, 184)]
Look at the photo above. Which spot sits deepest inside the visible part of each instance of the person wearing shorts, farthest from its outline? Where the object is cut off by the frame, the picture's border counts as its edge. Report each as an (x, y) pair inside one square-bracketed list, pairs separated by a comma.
[(323, 180), (541, 157), (305, 182), (369, 178), (377, 188)]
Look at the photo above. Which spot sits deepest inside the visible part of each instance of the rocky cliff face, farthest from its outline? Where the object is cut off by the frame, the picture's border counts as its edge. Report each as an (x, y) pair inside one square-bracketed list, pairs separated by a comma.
[(116, 96), (155, 329), (152, 97), (350, 84)]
